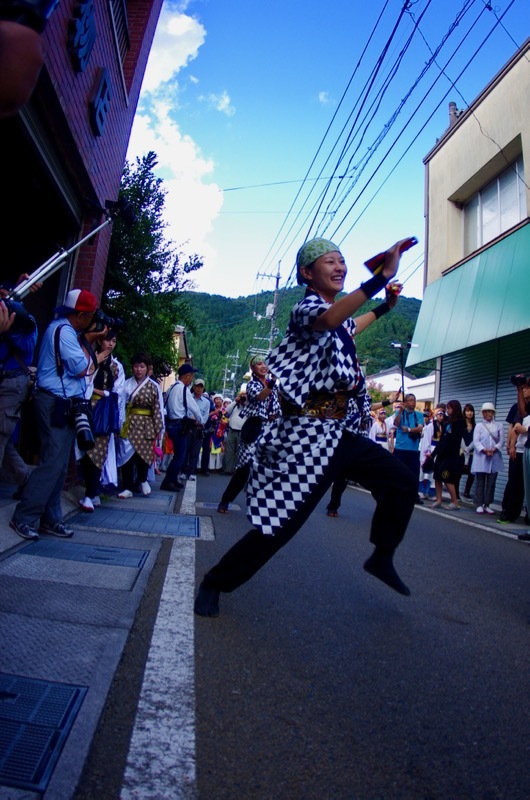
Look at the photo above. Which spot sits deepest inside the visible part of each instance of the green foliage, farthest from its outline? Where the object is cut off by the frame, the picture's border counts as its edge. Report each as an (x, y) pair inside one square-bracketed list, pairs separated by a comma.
[(225, 328), (146, 276)]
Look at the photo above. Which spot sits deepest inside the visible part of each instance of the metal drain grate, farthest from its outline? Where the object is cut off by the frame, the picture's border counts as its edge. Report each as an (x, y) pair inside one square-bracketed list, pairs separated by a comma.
[(35, 719), (88, 554), (131, 521), (231, 506)]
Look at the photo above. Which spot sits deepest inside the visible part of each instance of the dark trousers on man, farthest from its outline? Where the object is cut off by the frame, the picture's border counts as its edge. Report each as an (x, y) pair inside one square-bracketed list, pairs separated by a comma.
[(356, 458), (41, 496), (205, 454), (180, 450)]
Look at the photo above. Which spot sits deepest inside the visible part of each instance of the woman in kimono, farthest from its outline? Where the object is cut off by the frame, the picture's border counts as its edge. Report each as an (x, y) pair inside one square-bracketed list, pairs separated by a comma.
[(109, 378), (322, 389), (143, 425)]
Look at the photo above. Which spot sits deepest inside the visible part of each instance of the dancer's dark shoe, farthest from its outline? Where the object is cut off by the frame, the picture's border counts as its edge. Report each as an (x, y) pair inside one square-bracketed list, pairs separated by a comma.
[(222, 508), (380, 566), (207, 601)]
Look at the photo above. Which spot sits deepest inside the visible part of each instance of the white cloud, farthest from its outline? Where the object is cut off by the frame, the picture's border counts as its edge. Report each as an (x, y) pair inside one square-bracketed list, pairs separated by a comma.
[(324, 98), (221, 102), (177, 41), (191, 205), (193, 202)]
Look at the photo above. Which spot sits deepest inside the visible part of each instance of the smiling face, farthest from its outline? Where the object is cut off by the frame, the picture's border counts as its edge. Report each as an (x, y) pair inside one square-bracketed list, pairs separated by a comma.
[(326, 275), (260, 369)]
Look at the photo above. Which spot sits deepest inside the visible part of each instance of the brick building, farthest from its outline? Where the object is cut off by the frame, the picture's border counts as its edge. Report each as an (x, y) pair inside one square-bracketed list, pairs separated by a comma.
[(62, 156)]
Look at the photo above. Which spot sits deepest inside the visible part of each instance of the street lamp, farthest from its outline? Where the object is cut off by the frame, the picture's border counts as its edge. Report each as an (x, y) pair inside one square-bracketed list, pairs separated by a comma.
[(402, 347)]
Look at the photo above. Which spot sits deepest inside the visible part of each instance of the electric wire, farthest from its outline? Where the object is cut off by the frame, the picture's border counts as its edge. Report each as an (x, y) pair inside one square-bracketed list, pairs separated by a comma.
[(414, 139)]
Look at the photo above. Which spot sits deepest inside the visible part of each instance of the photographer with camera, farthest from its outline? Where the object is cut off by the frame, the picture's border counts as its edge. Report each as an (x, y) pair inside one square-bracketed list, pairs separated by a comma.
[(235, 412), (408, 427), (17, 347), (61, 370)]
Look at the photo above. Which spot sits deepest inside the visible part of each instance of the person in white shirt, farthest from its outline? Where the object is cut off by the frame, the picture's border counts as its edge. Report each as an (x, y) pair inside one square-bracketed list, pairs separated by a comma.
[(183, 417), (196, 437), (380, 429)]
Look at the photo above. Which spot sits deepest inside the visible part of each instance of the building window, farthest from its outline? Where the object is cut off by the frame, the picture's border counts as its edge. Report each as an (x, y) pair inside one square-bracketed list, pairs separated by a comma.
[(497, 207), (118, 13)]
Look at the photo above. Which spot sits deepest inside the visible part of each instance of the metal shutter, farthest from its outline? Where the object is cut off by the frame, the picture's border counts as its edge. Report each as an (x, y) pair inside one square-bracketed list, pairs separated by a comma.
[(482, 374)]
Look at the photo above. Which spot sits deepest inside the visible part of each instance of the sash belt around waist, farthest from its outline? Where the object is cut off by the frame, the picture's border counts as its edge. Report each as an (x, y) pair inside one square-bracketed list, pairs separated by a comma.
[(144, 412), (320, 406)]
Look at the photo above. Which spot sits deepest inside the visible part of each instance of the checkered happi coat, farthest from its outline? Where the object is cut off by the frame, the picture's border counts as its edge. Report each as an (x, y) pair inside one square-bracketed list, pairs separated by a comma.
[(294, 452)]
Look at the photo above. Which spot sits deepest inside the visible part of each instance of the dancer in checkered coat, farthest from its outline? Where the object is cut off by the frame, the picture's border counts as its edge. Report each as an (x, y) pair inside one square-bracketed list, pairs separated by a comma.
[(317, 438), (263, 407)]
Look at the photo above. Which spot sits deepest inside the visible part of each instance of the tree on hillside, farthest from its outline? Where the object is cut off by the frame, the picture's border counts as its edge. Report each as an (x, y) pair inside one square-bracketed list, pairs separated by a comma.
[(146, 275)]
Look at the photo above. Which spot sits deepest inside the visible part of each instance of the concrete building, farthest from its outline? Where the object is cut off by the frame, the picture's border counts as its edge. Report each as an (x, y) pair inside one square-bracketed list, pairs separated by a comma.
[(389, 381), (474, 318)]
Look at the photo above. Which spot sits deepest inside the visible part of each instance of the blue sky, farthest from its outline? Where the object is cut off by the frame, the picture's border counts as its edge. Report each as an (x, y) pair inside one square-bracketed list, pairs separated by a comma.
[(241, 95)]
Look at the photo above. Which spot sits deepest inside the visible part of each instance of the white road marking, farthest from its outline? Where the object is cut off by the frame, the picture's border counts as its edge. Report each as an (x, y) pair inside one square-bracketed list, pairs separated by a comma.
[(161, 758)]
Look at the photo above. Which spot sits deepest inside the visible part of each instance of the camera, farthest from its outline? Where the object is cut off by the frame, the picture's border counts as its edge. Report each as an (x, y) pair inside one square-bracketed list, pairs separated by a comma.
[(519, 380), (23, 322), (100, 321), (83, 432), (243, 399)]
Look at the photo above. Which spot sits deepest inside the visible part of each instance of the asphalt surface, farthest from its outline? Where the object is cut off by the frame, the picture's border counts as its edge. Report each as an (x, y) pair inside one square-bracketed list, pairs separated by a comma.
[(316, 680)]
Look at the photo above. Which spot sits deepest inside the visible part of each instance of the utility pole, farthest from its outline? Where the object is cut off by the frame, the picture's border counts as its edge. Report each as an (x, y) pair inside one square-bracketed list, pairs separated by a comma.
[(272, 309), (229, 375)]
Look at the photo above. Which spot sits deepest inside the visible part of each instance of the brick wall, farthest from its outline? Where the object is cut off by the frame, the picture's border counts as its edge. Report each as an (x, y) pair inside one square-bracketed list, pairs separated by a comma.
[(95, 163)]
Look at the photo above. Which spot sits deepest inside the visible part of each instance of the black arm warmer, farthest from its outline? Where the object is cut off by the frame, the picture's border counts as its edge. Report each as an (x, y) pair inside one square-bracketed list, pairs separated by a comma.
[(374, 285), (384, 308)]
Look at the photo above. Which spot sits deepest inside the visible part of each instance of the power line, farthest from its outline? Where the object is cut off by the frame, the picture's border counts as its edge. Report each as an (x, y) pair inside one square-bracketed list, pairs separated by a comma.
[(345, 183)]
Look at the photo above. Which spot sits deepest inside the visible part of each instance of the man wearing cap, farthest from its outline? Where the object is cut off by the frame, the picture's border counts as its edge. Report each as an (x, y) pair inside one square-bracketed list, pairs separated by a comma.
[(195, 439), (180, 406), (61, 370)]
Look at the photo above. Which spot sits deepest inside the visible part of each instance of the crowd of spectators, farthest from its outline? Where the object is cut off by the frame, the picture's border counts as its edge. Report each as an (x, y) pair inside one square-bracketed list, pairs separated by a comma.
[(135, 432)]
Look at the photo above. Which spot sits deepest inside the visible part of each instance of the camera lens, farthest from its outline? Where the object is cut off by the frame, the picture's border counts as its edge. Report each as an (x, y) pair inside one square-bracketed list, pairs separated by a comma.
[(83, 432)]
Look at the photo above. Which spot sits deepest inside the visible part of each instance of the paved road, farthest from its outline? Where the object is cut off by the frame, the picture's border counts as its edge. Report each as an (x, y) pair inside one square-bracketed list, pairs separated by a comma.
[(318, 682)]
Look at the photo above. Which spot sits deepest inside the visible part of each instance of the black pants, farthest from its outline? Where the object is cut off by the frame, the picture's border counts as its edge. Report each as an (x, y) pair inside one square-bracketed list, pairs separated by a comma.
[(356, 458), (91, 476), (134, 471), (236, 484), (513, 499), (337, 490)]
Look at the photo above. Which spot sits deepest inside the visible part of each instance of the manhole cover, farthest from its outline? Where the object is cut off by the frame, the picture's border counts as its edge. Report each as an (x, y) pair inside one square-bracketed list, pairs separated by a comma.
[(131, 521), (35, 719), (88, 554)]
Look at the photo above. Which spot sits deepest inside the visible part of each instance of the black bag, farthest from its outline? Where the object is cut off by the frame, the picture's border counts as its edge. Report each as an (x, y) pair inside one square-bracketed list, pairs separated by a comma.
[(251, 429), (106, 416), (428, 464), (62, 413), (187, 425)]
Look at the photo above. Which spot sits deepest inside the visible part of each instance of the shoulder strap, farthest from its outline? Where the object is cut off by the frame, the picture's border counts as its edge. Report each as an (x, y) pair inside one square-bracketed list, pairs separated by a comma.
[(58, 360), (56, 345)]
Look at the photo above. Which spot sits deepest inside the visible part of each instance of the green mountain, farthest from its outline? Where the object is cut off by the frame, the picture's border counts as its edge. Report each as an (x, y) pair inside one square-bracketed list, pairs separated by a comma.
[(226, 331)]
